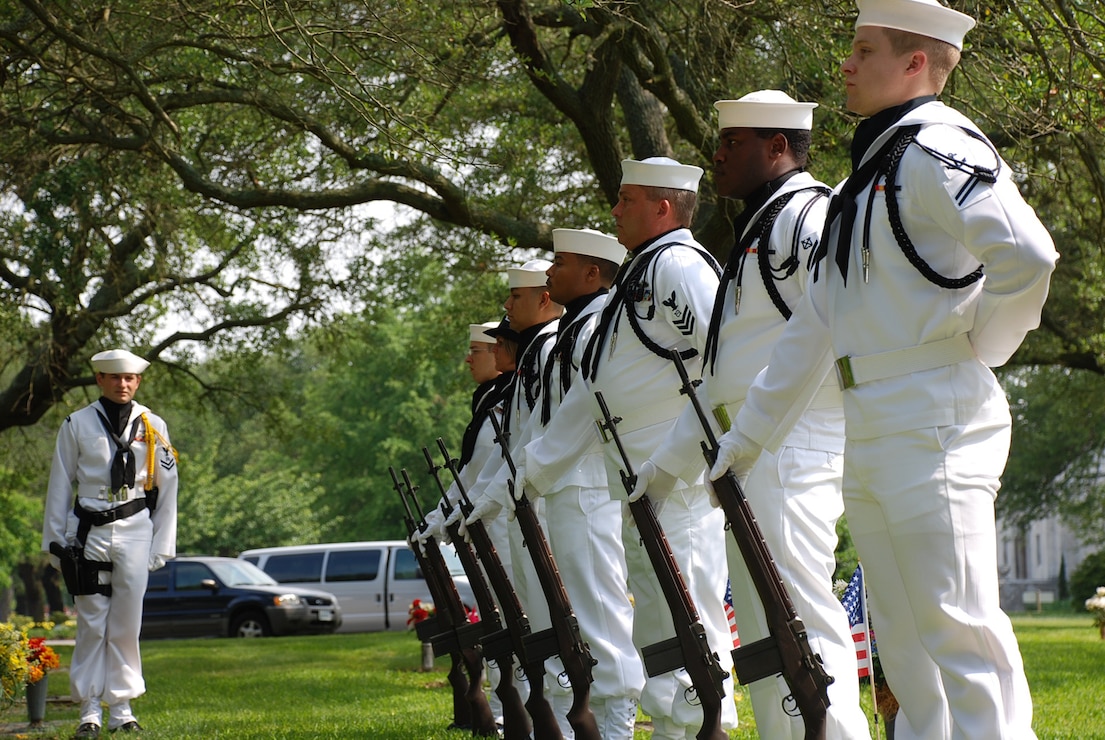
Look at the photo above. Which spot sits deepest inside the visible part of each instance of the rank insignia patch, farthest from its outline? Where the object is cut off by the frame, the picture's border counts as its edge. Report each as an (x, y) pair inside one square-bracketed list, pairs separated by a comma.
[(682, 316)]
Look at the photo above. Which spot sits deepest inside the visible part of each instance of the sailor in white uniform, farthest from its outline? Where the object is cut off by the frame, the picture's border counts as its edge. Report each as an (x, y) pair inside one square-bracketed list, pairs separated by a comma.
[(533, 319), (795, 492), (112, 491), (935, 270), (661, 301), (583, 522)]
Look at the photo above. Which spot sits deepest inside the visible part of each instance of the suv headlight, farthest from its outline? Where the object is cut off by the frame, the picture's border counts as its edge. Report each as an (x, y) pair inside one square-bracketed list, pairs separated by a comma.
[(286, 600)]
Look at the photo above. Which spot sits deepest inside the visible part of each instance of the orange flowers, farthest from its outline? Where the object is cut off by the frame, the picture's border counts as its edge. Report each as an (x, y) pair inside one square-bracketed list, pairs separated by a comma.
[(41, 659)]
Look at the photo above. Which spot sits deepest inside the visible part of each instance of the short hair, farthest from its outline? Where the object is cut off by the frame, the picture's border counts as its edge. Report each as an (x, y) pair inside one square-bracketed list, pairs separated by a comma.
[(607, 270), (510, 347), (683, 202), (797, 139), (942, 56)]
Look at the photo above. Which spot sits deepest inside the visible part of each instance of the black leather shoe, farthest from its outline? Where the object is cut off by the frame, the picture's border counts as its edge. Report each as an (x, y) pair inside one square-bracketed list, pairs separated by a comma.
[(131, 726), (86, 731)]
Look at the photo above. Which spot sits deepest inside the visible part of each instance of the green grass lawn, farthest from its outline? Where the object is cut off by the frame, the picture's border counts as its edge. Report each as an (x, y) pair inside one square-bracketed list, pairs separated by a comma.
[(368, 686)]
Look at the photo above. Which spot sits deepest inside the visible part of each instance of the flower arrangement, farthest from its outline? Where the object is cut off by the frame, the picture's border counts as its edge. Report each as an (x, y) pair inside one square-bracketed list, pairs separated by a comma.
[(1096, 604), (41, 659), (23, 661), (14, 667), (419, 612)]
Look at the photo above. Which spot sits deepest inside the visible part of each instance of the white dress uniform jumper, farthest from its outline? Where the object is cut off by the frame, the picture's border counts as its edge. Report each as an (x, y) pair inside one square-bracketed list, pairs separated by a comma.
[(106, 662), (668, 289), (944, 271)]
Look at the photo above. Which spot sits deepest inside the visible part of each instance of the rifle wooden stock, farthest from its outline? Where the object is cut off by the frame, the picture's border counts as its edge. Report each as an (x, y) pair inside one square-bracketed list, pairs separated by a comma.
[(496, 640), (689, 649), (786, 650), (463, 637), (574, 653), (531, 652)]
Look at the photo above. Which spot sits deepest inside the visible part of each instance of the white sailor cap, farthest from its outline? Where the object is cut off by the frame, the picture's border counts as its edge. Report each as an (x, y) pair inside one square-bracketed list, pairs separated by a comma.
[(588, 242), (118, 361), (924, 17), (661, 172), (765, 109), (529, 275), (478, 332)]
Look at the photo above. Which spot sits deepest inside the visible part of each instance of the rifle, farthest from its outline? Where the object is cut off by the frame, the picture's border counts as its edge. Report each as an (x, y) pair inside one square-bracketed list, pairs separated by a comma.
[(531, 648), (459, 637), (574, 652), (689, 648), (786, 650), (496, 640)]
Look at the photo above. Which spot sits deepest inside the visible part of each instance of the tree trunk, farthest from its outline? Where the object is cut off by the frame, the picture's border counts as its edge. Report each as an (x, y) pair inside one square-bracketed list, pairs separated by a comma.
[(33, 602)]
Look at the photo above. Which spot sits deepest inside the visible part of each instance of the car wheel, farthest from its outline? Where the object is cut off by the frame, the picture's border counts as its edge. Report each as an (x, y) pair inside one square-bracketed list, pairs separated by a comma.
[(250, 624)]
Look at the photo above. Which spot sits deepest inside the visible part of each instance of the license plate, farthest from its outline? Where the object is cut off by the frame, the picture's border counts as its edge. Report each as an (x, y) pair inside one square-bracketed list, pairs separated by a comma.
[(325, 615)]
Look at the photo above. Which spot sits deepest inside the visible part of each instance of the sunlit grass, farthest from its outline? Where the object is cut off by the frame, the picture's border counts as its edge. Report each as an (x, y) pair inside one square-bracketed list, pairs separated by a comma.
[(369, 686)]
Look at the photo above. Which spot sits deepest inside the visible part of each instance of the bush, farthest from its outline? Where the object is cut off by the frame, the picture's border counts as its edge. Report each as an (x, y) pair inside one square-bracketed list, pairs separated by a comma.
[(1087, 577)]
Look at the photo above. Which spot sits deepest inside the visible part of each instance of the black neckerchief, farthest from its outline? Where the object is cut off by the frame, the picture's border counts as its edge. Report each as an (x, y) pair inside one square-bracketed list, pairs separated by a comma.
[(117, 413), (865, 167), (574, 307), (734, 266), (563, 348), (525, 339), (115, 424), (872, 128), (525, 371), (486, 397)]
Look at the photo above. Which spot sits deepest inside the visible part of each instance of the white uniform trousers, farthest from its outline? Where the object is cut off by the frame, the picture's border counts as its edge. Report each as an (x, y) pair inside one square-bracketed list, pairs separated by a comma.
[(499, 535), (696, 533), (528, 587), (585, 533), (795, 495), (920, 505), (106, 661)]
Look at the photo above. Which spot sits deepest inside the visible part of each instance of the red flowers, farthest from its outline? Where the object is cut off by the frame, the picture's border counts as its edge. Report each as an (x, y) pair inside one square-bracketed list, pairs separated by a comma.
[(419, 613), (41, 659)]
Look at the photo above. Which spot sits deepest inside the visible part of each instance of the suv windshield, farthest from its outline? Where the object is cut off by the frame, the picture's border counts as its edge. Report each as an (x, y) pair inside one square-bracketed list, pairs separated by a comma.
[(240, 573)]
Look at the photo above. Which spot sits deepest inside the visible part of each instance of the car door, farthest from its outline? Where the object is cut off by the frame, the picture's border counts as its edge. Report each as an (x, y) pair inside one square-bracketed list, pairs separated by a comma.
[(405, 584), (356, 577), (197, 609), (157, 608)]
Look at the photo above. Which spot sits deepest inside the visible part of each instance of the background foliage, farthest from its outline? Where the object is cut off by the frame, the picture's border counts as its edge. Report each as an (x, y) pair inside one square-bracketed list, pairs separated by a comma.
[(294, 208)]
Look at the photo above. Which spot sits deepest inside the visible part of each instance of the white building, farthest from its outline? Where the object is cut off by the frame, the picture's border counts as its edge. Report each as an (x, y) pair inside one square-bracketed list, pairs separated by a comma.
[(1028, 564)]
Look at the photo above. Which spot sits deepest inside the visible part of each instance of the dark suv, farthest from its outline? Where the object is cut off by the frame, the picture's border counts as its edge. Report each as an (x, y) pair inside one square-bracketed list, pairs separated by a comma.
[(218, 597)]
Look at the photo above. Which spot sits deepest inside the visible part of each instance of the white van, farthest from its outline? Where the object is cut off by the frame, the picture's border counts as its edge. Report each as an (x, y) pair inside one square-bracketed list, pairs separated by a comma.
[(375, 582)]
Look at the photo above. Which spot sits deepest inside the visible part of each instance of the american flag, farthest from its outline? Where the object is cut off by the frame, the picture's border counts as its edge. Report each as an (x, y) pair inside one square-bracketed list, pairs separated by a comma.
[(854, 603), (731, 615)]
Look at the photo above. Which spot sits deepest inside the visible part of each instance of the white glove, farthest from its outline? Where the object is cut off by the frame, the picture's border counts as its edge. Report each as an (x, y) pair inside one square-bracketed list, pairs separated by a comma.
[(420, 538), (654, 481), (156, 561), (737, 452), (435, 526), (456, 516), (521, 483), (484, 509)]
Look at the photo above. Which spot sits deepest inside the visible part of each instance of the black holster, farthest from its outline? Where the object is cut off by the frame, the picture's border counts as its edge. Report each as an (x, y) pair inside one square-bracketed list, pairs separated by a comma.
[(82, 576)]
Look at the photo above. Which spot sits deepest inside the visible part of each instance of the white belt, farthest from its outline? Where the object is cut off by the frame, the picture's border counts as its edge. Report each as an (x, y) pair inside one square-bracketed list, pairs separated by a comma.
[(630, 420), (853, 371), (104, 493)]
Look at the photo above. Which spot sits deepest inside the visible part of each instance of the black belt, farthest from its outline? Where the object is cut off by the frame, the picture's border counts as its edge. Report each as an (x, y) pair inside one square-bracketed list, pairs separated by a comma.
[(89, 519)]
